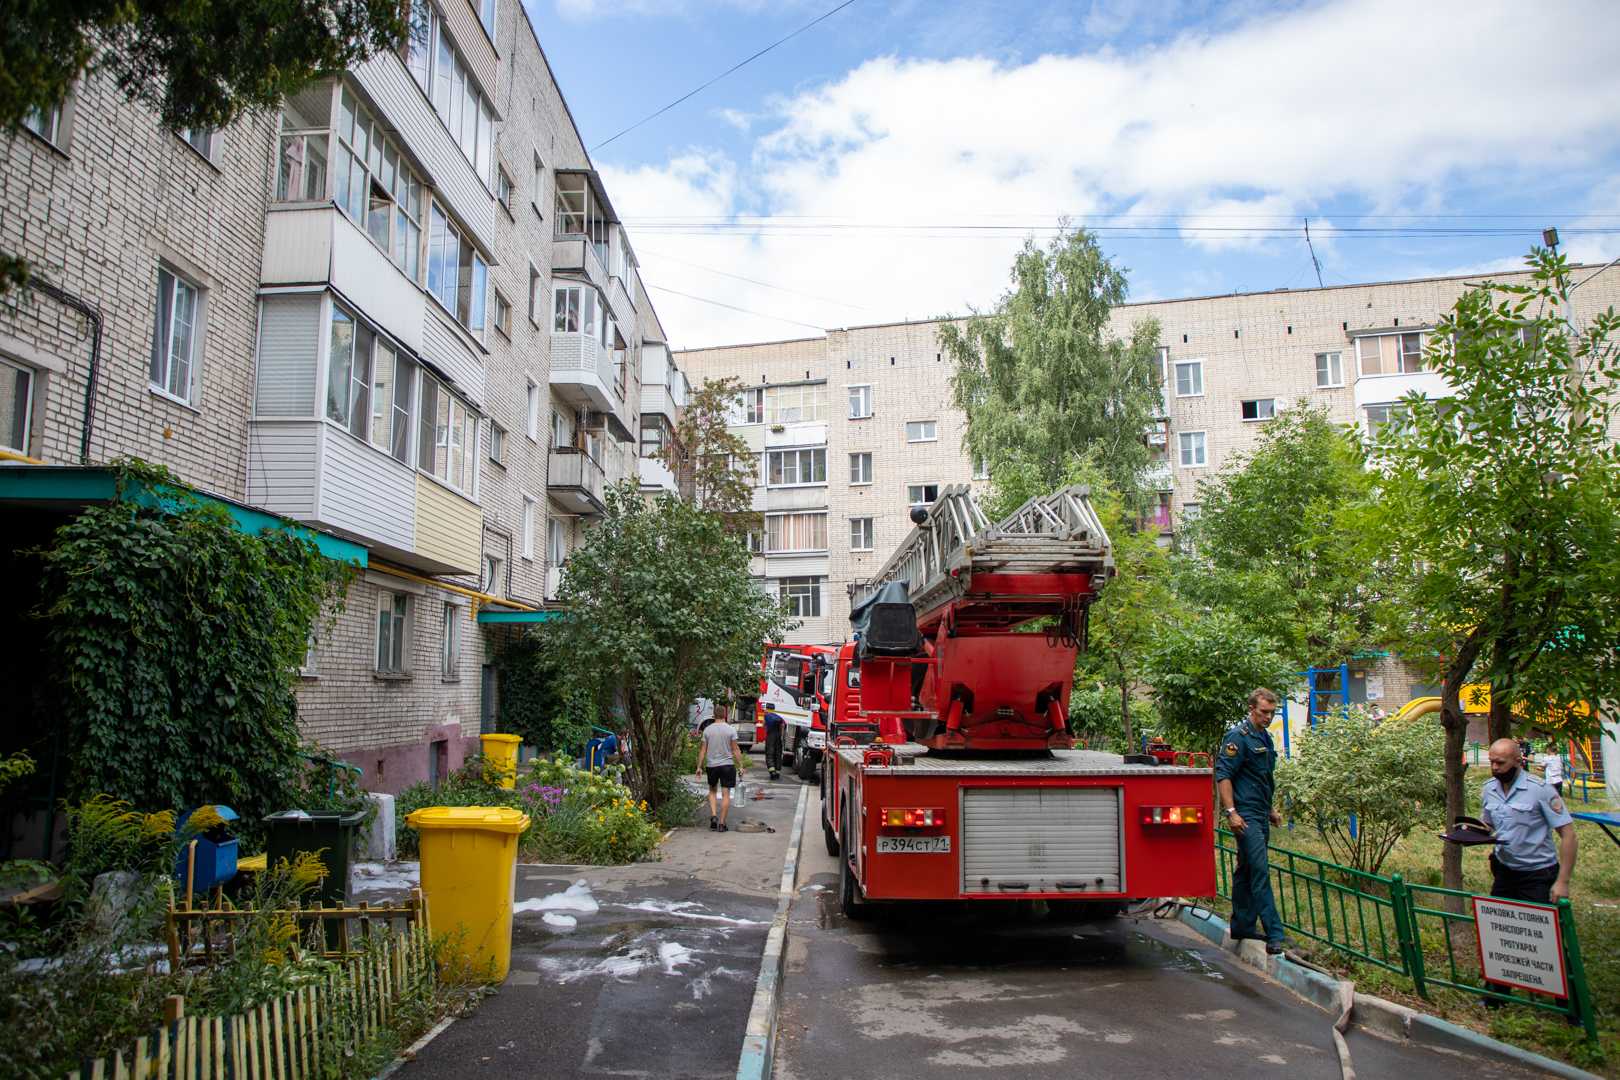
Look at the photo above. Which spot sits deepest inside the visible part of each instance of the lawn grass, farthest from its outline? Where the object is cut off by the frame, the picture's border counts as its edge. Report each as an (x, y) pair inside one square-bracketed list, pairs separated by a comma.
[(1595, 898)]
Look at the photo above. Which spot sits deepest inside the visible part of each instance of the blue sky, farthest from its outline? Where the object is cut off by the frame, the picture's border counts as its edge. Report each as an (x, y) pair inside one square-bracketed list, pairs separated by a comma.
[(888, 162)]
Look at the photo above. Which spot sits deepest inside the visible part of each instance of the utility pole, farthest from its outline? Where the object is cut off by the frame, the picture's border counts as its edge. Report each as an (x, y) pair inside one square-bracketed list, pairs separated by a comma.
[(1309, 247)]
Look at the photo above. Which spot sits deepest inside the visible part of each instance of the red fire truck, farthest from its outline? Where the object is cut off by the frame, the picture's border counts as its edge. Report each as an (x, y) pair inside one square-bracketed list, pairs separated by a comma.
[(952, 773), (794, 683)]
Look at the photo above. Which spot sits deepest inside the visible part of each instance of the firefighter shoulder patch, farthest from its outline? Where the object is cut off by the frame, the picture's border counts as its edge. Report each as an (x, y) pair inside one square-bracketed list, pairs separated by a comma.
[(1557, 804), (1231, 749)]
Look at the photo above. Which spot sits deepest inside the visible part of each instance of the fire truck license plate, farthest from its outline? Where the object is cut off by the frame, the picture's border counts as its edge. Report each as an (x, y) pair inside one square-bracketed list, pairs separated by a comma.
[(920, 844)]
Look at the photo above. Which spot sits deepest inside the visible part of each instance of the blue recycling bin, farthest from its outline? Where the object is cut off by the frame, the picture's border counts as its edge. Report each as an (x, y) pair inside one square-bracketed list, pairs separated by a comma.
[(215, 862)]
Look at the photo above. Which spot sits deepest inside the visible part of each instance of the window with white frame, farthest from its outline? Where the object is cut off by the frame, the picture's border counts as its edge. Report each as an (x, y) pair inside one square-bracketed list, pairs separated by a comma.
[(981, 468), (375, 186), (531, 409), (804, 403), (503, 313), (860, 402), (46, 122), (200, 139), (749, 407), (1190, 512), (450, 658), (860, 468), (1190, 378), (537, 193), (503, 189), (457, 275), (860, 534), (652, 435), (497, 444), (492, 578), (348, 374), (1163, 355), (393, 631), (1192, 449), (556, 542), (922, 494), (1329, 369), (795, 532), (579, 309), (306, 123), (16, 400), (443, 75), (1259, 409), (789, 468), (579, 214), (531, 511), (393, 390), (801, 595), (1380, 417), (562, 430), (176, 335), (1390, 354), (449, 437), (922, 431)]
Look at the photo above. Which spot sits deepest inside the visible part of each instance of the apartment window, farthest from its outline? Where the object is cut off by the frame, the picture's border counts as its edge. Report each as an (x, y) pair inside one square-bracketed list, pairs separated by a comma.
[(457, 276), (440, 71), (860, 402), (393, 610), (348, 374), (531, 409), (375, 187), (1190, 378), (1190, 512), (46, 122), (503, 189), (1390, 354), (1161, 516), (1163, 354), (1260, 409), (503, 314), (306, 122), (754, 541), (922, 494), (16, 397), (922, 431), (561, 430), (787, 468), (981, 468), (750, 407), (537, 194), (497, 444), (860, 534), (652, 435), (1192, 449), (492, 580), (176, 335), (795, 532), (449, 436), (1329, 369), (1381, 416), (450, 660), (556, 542), (393, 388), (860, 468), (200, 139), (796, 404), (802, 595), (526, 525), (580, 310)]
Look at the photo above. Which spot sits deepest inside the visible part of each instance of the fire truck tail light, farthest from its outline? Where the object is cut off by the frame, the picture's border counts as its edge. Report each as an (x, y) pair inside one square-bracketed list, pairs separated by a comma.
[(905, 817), (1172, 815)]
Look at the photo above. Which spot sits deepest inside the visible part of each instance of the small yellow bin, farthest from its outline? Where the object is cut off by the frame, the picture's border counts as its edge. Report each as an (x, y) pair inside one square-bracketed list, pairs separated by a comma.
[(469, 872), (500, 758)]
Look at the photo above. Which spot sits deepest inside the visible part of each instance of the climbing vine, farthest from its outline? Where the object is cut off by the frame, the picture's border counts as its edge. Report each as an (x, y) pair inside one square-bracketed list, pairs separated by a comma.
[(176, 640)]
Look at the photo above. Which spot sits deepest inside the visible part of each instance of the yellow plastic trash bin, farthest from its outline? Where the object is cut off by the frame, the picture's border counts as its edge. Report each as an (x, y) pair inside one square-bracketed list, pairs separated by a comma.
[(469, 871), (500, 758)]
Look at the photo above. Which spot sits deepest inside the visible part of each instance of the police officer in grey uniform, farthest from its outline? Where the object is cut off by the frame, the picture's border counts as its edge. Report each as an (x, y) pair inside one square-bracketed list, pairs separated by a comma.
[(1243, 776), (1525, 812)]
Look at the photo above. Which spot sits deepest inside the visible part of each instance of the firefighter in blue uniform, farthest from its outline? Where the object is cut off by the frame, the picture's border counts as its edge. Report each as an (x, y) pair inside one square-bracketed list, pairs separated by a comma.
[(1243, 774)]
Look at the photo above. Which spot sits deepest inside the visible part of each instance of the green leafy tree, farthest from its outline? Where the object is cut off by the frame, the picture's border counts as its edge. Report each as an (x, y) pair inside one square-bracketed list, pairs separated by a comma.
[(1273, 544), (1202, 671), (175, 640), (1040, 382), (713, 467), (201, 64), (660, 611), (1499, 508), (1385, 777)]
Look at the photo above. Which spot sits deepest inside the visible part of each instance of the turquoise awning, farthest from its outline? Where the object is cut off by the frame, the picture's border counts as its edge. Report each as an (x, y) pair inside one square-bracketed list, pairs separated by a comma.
[(517, 616)]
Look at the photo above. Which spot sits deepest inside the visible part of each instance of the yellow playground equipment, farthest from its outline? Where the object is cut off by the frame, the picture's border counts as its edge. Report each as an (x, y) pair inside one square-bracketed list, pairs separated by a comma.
[(1476, 699)]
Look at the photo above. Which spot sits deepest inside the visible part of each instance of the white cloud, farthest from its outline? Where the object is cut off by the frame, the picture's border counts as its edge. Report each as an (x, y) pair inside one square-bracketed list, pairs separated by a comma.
[(1381, 101)]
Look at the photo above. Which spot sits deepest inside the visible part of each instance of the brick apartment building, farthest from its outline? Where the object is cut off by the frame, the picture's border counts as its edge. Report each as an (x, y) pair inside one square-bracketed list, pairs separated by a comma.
[(856, 426), (402, 311)]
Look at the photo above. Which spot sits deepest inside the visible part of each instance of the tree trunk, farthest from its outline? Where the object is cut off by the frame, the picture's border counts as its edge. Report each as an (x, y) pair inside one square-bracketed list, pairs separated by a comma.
[(1455, 725)]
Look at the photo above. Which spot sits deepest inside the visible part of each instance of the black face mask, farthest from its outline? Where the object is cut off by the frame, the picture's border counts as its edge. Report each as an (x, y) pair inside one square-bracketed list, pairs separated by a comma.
[(1507, 778)]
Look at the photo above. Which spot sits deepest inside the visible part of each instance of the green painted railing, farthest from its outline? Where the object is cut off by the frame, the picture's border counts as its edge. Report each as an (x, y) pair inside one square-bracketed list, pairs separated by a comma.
[(1397, 926)]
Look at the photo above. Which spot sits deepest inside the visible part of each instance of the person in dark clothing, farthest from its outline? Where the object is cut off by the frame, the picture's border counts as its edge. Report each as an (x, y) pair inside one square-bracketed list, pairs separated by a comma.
[(774, 730), (1243, 775)]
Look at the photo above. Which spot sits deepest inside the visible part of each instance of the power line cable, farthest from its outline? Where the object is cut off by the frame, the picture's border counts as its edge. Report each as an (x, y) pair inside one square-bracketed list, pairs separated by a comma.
[(766, 284), (733, 307), (723, 74)]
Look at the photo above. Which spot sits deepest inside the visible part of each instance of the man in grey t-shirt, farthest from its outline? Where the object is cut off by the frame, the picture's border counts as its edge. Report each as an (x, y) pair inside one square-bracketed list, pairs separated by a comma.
[(721, 758)]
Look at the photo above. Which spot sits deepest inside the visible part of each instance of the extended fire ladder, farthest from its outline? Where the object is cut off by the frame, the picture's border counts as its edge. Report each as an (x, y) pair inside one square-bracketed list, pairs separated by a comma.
[(1058, 534)]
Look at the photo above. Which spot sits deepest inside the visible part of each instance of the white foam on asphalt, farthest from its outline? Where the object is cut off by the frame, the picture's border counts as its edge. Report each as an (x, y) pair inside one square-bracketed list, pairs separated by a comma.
[(577, 897), (564, 922), (680, 909), (672, 955), (377, 876)]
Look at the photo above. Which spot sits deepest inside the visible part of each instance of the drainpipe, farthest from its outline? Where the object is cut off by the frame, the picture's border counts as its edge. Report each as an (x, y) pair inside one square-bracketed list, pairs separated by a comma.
[(93, 314)]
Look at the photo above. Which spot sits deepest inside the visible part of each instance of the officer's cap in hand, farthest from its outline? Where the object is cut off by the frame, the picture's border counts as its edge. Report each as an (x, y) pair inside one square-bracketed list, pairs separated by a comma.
[(1467, 830)]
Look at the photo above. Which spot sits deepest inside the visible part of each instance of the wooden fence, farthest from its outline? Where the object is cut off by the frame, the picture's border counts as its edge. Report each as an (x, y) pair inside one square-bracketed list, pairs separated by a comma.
[(307, 1033), (192, 931)]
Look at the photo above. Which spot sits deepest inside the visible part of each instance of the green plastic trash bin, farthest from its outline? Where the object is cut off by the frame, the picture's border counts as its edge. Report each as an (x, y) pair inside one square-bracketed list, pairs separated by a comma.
[(334, 834)]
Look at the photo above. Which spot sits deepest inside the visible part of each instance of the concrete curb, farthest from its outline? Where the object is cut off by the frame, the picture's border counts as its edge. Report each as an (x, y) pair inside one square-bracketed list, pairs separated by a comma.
[(410, 1052), (1375, 1014), (759, 1044)]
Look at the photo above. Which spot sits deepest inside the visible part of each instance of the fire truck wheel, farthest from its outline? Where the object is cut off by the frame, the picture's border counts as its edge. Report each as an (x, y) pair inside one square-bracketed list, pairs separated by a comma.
[(849, 892), (832, 838), (806, 765)]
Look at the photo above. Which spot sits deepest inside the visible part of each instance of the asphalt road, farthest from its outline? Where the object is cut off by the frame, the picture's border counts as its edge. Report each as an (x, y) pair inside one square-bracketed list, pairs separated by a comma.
[(928, 994)]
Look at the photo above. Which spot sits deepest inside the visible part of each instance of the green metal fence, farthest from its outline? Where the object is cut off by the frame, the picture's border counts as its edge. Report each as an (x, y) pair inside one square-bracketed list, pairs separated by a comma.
[(1397, 926)]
